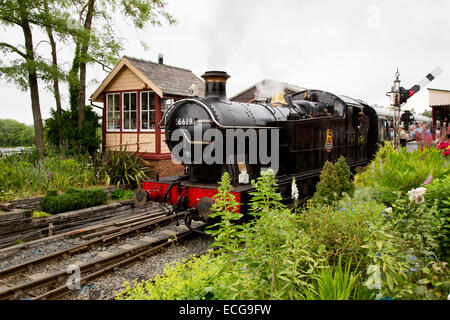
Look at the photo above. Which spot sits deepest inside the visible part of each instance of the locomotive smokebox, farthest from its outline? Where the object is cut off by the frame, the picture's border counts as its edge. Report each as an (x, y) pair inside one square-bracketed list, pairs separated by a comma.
[(216, 84)]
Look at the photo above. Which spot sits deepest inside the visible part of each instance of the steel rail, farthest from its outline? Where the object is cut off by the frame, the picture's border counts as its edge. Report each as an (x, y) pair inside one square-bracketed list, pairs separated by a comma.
[(92, 270), (103, 241), (124, 258)]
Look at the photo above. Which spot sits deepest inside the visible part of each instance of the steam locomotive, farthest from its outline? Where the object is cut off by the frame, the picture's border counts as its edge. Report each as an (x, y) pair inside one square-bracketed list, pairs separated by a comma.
[(293, 135)]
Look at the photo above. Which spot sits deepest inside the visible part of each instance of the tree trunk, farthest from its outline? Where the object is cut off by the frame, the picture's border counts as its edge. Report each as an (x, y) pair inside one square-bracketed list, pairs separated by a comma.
[(56, 92), (83, 63), (33, 82)]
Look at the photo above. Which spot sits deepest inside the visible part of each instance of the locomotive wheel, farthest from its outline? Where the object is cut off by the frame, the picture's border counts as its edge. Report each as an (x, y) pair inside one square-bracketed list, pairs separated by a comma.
[(140, 198)]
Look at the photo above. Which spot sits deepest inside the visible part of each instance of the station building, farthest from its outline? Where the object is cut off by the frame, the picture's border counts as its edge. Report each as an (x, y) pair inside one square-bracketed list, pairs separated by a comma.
[(440, 106), (135, 95)]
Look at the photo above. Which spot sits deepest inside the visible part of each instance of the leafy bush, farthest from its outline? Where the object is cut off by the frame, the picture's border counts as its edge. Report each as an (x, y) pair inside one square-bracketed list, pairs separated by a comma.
[(122, 167), (226, 231), (120, 194), (336, 283), (438, 196), (40, 214), (15, 134), (326, 189), (29, 174), (334, 181), (194, 279), (400, 171), (75, 139), (345, 176), (341, 229), (73, 199)]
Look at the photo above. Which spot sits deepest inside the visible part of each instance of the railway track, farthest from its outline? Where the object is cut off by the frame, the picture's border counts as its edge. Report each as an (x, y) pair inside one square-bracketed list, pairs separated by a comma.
[(63, 229), (54, 286)]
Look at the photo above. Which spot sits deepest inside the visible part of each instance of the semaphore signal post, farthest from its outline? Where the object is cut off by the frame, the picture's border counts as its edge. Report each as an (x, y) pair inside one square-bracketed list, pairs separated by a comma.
[(399, 97)]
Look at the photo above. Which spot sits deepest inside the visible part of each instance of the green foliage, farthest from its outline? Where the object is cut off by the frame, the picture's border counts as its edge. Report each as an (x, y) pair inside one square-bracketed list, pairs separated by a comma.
[(29, 174), (275, 262), (278, 257), (400, 171), (76, 139), (334, 181), (344, 228), (345, 176), (400, 247), (120, 194), (326, 188), (355, 248), (40, 214), (122, 167), (336, 283), (74, 199), (53, 192), (438, 197), (226, 232), (194, 279), (15, 134)]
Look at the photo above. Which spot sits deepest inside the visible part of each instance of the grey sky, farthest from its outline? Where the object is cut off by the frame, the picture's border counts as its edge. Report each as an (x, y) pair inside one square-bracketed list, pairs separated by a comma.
[(346, 47)]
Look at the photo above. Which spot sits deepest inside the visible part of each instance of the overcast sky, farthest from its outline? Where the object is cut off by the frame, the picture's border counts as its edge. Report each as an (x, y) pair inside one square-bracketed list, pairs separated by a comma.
[(345, 47)]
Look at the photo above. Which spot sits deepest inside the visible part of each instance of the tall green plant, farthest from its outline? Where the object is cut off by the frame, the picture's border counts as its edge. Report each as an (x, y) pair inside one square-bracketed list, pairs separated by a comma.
[(226, 232), (327, 190), (337, 283), (345, 177), (122, 167)]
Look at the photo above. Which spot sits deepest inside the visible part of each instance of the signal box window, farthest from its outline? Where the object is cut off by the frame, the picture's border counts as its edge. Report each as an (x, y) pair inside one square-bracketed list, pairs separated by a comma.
[(147, 111), (113, 112), (129, 108)]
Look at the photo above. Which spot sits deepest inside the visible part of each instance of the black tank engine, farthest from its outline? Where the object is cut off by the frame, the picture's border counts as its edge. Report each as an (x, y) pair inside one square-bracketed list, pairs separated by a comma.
[(293, 135)]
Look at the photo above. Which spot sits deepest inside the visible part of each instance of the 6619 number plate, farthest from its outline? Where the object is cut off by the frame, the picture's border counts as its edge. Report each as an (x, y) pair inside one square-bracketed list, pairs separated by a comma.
[(184, 121)]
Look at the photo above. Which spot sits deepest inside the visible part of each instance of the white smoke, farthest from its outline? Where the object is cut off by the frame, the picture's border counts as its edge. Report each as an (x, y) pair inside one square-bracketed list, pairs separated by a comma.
[(267, 88)]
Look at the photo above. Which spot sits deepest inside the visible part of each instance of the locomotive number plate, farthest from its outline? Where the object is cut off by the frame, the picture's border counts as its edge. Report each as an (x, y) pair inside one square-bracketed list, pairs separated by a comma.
[(184, 121)]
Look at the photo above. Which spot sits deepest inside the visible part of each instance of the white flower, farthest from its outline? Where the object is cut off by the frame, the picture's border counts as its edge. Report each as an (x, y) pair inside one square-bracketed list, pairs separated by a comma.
[(294, 190), (416, 195), (374, 280), (388, 210)]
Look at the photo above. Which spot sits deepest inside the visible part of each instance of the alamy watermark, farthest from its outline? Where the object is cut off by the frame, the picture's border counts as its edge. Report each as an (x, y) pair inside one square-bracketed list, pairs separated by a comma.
[(74, 280), (230, 146), (373, 21)]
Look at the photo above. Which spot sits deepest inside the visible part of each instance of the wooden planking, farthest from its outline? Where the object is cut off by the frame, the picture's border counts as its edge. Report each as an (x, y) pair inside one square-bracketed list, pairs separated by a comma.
[(112, 141), (125, 80), (129, 140), (164, 147), (147, 142)]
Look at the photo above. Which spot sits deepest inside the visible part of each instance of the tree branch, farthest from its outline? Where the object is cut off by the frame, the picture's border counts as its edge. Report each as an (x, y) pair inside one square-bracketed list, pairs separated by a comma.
[(104, 66), (13, 49), (45, 41)]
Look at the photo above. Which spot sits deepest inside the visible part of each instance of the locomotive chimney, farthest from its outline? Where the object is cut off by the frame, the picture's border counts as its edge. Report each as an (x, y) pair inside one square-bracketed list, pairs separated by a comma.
[(215, 84)]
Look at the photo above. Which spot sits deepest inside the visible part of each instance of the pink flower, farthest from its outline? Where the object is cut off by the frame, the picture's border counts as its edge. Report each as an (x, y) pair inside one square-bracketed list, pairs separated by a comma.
[(429, 179)]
